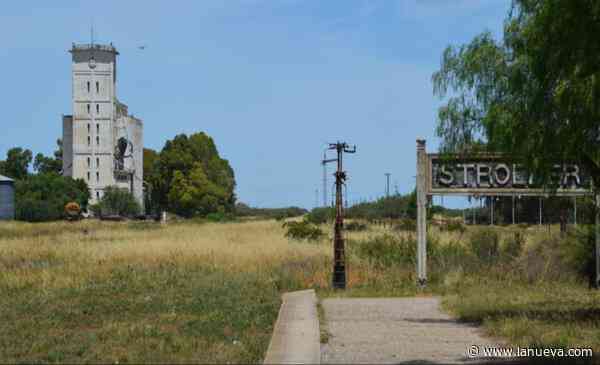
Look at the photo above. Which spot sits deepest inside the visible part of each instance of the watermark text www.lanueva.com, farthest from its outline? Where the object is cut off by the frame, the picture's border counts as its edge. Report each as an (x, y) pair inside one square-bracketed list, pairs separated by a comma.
[(476, 351)]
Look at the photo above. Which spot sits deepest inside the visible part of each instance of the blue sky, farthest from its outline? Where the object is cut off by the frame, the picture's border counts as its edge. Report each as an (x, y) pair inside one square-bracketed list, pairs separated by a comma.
[(270, 81)]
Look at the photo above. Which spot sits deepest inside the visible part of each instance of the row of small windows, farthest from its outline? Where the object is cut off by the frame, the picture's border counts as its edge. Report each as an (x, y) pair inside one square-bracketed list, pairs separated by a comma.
[(97, 141), (97, 87), (89, 162), (97, 128), (97, 108), (97, 176)]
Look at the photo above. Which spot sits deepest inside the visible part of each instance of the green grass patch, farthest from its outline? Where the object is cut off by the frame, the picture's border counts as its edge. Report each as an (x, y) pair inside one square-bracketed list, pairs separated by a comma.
[(170, 313)]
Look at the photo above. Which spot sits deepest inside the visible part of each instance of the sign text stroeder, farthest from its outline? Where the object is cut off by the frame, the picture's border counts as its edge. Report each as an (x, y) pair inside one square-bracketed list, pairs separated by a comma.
[(499, 175)]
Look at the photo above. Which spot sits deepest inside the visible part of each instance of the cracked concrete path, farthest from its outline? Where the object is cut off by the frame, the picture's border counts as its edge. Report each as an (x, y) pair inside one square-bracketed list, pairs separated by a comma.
[(396, 331)]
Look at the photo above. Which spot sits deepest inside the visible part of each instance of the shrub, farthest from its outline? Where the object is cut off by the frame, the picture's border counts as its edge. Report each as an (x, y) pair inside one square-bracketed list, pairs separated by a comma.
[(406, 225), (580, 253), (454, 226), (220, 217), (42, 197), (355, 226), (303, 230), (484, 244), (320, 215), (117, 201), (513, 245), (387, 250)]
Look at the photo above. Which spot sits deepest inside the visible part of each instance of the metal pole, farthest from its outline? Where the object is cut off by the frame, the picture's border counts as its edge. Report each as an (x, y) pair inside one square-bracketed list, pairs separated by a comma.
[(513, 209), (492, 211), (575, 210), (339, 256), (316, 198), (421, 213), (324, 179), (387, 186), (540, 210)]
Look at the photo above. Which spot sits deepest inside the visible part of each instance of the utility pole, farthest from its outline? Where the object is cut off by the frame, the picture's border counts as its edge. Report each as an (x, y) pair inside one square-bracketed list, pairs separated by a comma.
[(575, 210), (339, 256), (492, 210), (387, 186), (540, 209), (513, 209), (316, 198)]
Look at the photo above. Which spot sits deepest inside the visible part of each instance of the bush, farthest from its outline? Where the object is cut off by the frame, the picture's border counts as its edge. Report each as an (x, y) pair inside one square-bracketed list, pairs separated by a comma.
[(406, 225), (513, 246), (117, 201), (355, 226), (581, 253), (321, 215), (388, 250), (454, 226), (34, 210), (485, 244), (303, 230), (220, 217), (42, 197)]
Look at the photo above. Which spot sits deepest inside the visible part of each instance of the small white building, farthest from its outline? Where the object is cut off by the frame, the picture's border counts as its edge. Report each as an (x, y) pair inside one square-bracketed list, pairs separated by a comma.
[(102, 143)]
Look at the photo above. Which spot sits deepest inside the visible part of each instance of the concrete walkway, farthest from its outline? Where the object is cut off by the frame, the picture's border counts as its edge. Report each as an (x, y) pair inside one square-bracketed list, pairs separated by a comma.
[(295, 338), (395, 331)]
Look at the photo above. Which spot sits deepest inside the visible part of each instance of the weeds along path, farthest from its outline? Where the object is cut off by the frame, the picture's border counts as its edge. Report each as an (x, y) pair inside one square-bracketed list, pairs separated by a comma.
[(138, 292), (395, 330)]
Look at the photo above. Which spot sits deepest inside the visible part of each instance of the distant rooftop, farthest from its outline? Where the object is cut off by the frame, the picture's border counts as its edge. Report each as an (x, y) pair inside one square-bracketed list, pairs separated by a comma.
[(99, 47), (4, 178)]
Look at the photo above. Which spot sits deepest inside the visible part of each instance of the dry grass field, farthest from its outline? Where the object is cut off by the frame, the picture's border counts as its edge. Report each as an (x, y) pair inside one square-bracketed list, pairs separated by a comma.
[(138, 292), (210, 292)]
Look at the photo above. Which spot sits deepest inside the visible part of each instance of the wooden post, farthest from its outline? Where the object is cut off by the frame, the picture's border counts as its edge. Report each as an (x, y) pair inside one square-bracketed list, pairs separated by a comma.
[(421, 213)]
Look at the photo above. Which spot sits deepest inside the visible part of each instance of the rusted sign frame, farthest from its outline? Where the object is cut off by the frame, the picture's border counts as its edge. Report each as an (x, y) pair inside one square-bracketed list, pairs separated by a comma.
[(496, 191), (425, 191)]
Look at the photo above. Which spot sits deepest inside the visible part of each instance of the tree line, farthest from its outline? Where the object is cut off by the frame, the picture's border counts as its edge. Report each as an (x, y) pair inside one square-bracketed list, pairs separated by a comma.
[(187, 177)]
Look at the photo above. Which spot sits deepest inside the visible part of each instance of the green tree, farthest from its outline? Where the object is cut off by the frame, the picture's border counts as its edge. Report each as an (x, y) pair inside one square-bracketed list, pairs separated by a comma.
[(42, 197), (44, 165), (151, 179), (191, 177), (534, 94), (16, 163)]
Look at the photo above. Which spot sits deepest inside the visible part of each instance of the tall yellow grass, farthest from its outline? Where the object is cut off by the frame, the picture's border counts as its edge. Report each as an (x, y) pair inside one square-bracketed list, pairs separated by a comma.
[(66, 254)]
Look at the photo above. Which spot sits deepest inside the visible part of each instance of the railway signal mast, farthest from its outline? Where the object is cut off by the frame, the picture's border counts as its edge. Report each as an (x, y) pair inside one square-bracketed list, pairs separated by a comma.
[(339, 256)]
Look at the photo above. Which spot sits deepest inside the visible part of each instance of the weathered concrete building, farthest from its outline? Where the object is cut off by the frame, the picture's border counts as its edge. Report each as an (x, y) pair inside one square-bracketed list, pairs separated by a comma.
[(102, 142)]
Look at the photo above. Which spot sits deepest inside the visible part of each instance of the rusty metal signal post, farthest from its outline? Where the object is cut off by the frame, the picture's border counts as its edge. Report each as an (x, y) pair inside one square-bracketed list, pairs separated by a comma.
[(339, 256)]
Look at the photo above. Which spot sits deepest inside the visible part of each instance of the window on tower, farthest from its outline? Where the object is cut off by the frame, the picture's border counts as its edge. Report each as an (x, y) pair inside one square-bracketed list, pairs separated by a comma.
[(97, 195), (97, 140), (97, 128), (88, 108), (88, 175), (88, 127), (88, 161), (97, 162), (97, 87), (97, 177), (97, 108), (88, 86), (89, 140)]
